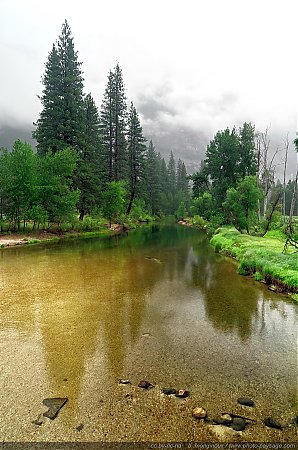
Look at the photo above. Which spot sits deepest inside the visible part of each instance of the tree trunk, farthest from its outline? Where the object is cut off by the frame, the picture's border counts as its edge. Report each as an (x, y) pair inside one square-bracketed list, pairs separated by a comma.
[(294, 197), (132, 196), (82, 213), (269, 218)]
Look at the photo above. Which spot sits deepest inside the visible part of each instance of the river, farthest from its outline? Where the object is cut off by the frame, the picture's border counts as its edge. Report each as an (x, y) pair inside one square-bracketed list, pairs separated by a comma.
[(157, 305)]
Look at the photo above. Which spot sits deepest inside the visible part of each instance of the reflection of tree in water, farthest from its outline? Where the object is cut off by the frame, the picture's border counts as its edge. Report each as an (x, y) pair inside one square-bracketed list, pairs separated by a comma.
[(228, 303), (99, 308)]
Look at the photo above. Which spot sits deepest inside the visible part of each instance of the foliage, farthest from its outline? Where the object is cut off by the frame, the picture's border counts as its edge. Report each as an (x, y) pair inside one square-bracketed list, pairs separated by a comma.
[(241, 203), (181, 212), (19, 168), (113, 200), (199, 222), (55, 195), (204, 205), (230, 156)]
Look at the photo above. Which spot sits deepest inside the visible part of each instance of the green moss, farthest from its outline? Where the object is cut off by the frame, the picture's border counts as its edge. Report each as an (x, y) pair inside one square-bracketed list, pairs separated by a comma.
[(262, 256)]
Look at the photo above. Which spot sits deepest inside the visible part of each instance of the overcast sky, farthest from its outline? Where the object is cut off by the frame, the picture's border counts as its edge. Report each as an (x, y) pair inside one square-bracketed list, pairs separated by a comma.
[(191, 67)]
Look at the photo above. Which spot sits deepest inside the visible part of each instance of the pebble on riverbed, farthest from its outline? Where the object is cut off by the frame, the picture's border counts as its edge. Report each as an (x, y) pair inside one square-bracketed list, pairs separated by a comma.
[(182, 393), (199, 413), (245, 401), (144, 384), (124, 382), (272, 423), (224, 419), (169, 391), (238, 424)]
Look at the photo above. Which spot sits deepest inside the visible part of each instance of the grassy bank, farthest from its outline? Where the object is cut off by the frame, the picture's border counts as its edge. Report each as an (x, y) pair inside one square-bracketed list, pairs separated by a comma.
[(261, 257)]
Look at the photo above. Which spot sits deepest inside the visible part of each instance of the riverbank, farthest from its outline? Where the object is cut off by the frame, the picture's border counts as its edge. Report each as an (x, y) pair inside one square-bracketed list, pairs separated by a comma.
[(260, 257), (42, 236)]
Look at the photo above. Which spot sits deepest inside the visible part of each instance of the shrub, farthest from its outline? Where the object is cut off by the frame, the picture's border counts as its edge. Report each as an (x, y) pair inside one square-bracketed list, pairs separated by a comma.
[(258, 276)]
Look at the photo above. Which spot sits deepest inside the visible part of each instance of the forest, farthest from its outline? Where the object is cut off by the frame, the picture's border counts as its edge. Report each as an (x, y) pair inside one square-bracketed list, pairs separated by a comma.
[(93, 166)]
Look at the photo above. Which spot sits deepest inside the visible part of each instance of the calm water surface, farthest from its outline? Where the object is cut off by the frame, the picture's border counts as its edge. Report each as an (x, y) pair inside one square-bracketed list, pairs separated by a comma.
[(157, 304)]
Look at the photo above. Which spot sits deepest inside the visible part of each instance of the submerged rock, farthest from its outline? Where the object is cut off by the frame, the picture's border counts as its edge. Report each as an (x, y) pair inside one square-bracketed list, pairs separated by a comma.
[(245, 401), (169, 391), (272, 288), (39, 420), (238, 424), (144, 384), (152, 258), (54, 405), (80, 427), (124, 382), (295, 421), (222, 432), (199, 413), (182, 393), (224, 419), (272, 423)]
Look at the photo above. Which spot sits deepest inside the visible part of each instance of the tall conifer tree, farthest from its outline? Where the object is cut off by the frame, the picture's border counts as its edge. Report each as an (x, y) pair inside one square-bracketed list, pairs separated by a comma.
[(60, 124), (152, 185), (89, 175), (113, 126), (136, 149)]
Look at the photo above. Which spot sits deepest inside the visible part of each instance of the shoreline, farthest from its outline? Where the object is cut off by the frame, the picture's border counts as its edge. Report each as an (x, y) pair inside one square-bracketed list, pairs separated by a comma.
[(8, 240), (246, 250), (260, 258)]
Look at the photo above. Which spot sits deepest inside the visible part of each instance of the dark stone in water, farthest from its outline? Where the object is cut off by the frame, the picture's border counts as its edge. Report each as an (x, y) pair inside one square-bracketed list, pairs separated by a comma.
[(295, 421), (80, 427), (238, 424), (245, 401), (169, 391), (182, 393), (272, 423), (145, 384), (54, 405)]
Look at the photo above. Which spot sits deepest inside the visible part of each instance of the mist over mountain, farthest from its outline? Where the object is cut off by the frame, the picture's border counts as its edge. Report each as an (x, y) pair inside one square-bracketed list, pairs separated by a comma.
[(9, 134)]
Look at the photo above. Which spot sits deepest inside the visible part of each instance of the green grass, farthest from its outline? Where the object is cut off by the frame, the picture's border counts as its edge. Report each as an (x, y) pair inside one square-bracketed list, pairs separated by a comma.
[(260, 256)]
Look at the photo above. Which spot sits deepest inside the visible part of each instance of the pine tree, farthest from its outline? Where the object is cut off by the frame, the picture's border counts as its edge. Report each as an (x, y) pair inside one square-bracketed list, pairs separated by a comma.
[(113, 126), (152, 187), (182, 180), (136, 149), (89, 174), (247, 151), (60, 124), (172, 172), (172, 185)]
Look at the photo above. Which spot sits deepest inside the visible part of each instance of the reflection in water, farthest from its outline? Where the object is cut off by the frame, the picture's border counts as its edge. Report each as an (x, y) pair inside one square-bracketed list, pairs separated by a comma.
[(84, 306), (230, 303)]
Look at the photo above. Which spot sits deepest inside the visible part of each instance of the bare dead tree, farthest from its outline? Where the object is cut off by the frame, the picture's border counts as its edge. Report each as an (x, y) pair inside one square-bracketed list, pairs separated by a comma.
[(290, 229), (286, 146), (265, 168)]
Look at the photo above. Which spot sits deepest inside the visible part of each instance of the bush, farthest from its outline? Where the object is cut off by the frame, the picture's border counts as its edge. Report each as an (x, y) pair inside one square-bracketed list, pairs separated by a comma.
[(199, 222), (258, 276)]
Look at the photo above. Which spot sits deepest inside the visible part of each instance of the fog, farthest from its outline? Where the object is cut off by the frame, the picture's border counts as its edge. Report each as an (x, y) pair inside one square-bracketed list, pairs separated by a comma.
[(191, 68)]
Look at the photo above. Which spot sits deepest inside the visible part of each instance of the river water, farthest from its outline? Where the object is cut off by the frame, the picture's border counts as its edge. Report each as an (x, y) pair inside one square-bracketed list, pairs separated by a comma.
[(158, 305)]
